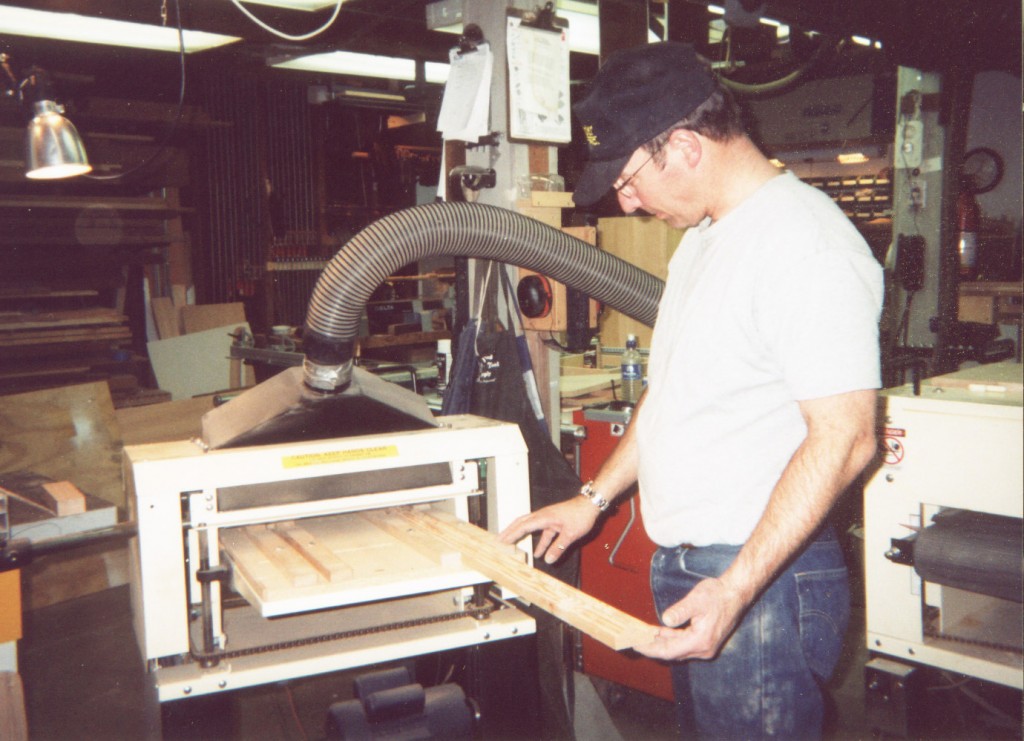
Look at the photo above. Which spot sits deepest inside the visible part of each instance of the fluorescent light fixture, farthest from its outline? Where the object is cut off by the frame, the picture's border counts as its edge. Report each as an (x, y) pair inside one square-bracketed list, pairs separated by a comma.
[(92, 30), (583, 33), (852, 158), (374, 95), (865, 41), (308, 5), (781, 29), (366, 65)]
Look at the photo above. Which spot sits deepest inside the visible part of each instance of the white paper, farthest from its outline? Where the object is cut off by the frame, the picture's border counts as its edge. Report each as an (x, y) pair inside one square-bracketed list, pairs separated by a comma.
[(465, 107), (538, 83)]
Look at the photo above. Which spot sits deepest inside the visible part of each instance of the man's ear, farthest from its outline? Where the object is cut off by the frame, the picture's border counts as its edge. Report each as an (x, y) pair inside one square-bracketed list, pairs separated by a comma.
[(688, 145)]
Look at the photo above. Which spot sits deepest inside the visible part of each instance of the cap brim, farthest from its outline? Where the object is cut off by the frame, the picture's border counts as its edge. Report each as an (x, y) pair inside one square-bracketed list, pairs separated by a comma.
[(597, 178)]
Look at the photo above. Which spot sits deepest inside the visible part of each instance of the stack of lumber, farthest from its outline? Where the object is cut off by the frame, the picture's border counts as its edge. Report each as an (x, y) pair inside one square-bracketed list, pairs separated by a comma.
[(45, 348), (96, 324)]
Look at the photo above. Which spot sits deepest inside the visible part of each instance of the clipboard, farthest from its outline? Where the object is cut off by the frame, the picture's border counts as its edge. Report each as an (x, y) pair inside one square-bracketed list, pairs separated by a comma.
[(538, 79)]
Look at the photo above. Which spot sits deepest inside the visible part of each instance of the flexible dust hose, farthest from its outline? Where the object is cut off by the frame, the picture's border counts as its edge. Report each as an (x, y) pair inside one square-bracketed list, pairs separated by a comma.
[(455, 230)]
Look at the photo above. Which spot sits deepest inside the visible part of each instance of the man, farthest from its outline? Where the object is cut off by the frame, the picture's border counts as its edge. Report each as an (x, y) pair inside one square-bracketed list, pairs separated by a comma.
[(760, 405)]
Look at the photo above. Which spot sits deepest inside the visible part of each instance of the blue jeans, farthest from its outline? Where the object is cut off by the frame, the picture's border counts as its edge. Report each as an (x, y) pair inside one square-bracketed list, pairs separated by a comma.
[(767, 680)]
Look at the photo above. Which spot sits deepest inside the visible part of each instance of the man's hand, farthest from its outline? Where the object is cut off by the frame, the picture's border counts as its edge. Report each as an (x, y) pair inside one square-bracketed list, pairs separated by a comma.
[(560, 525), (699, 624)]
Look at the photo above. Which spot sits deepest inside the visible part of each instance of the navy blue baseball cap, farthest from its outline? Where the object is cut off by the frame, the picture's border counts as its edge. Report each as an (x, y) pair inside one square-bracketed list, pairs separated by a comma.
[(636, 95)]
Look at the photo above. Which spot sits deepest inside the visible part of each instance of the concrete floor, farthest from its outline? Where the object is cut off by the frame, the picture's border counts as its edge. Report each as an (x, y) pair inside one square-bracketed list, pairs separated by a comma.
[(84, 680)]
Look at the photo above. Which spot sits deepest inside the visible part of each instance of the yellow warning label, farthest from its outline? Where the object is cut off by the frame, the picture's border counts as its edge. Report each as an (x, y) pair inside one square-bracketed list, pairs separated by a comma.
[(340, 456)]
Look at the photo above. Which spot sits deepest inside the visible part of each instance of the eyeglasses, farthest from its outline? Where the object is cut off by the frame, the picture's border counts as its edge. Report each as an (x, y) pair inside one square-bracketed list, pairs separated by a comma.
[(625, 188)]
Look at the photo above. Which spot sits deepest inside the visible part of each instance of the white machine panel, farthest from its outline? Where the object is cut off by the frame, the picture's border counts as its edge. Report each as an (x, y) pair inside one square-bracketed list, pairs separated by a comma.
[(959, 445)]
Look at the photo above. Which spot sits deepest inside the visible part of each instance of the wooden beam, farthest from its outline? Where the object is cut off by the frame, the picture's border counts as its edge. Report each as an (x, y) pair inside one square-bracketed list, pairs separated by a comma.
[(279, 551), (322, 559), (482, 551)]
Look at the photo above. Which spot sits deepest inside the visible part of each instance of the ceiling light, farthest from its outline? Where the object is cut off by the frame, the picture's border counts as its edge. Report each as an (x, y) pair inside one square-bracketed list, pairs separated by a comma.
[(582, 35), (92, 30), (865, 41), (366, 65), (852, 158), (295, 4)]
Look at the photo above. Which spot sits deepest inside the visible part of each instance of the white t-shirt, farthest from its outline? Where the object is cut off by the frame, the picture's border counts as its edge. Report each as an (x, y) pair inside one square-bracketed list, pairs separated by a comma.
[(777, 302)]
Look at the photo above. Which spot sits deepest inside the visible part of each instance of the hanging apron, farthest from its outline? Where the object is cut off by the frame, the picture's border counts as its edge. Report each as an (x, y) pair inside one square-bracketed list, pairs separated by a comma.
[(492, 376)]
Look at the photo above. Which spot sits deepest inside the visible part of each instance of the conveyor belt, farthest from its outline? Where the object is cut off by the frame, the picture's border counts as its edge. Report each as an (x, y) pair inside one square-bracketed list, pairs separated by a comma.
[(477, 613)]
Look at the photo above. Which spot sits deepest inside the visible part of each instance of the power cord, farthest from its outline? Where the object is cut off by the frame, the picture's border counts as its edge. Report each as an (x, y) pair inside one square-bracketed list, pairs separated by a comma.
[(281, 34), (180, 108)]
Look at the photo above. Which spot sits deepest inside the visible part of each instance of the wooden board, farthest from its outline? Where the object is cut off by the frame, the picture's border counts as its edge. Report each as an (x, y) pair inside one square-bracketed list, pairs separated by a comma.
[(13, 723), (647, 243), (42, 332), (166, 317), (163, 422), (19, 320), (581, 381), (482, 551), (201, 317), (67, 499), (332, 561)]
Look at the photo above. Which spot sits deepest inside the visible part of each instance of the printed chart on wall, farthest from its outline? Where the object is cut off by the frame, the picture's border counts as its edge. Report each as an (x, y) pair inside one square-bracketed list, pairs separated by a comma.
[(538, 80)]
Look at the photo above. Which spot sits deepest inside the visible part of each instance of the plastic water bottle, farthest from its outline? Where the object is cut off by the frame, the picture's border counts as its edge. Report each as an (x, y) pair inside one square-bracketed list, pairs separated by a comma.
[(443, 361), (632, 372)]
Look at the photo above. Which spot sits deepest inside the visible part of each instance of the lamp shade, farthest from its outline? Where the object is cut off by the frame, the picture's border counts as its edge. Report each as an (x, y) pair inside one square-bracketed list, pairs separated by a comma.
[(53, 148)]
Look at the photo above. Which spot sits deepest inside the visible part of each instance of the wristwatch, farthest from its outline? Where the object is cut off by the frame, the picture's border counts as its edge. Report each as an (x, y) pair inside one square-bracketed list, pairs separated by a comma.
[(587, 491)]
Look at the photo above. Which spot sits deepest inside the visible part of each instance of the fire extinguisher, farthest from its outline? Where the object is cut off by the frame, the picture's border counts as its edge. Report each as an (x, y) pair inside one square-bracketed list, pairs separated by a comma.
[(968, 223)]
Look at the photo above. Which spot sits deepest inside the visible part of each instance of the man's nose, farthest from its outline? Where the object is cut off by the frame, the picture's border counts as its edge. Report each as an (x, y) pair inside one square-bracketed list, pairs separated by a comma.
[(628, 203)]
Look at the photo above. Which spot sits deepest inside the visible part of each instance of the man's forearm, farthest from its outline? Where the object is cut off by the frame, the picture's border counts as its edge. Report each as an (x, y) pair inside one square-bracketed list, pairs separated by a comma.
[(839, 443)]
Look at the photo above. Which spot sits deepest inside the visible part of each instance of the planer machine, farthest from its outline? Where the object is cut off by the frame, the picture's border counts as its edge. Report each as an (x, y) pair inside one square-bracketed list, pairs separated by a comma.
[(256, 558), (944, 573)]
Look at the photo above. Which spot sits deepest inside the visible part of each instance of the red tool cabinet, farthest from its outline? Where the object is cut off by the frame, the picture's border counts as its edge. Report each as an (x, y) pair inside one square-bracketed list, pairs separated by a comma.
[(615, 562)]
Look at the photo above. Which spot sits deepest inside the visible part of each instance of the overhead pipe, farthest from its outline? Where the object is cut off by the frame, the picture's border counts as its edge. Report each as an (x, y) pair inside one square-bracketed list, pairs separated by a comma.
[(455, 230)]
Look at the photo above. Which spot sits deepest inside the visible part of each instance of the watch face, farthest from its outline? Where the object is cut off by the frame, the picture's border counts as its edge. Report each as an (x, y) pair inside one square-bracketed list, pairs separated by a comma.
[(982, 169)]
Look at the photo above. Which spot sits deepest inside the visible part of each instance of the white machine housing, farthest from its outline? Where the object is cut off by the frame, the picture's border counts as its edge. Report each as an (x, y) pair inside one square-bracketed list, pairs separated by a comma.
[(295, 621), (957, 445)]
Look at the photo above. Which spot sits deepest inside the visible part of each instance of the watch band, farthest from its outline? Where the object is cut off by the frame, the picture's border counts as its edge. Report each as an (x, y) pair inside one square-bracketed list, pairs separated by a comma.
[(587, 491)]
